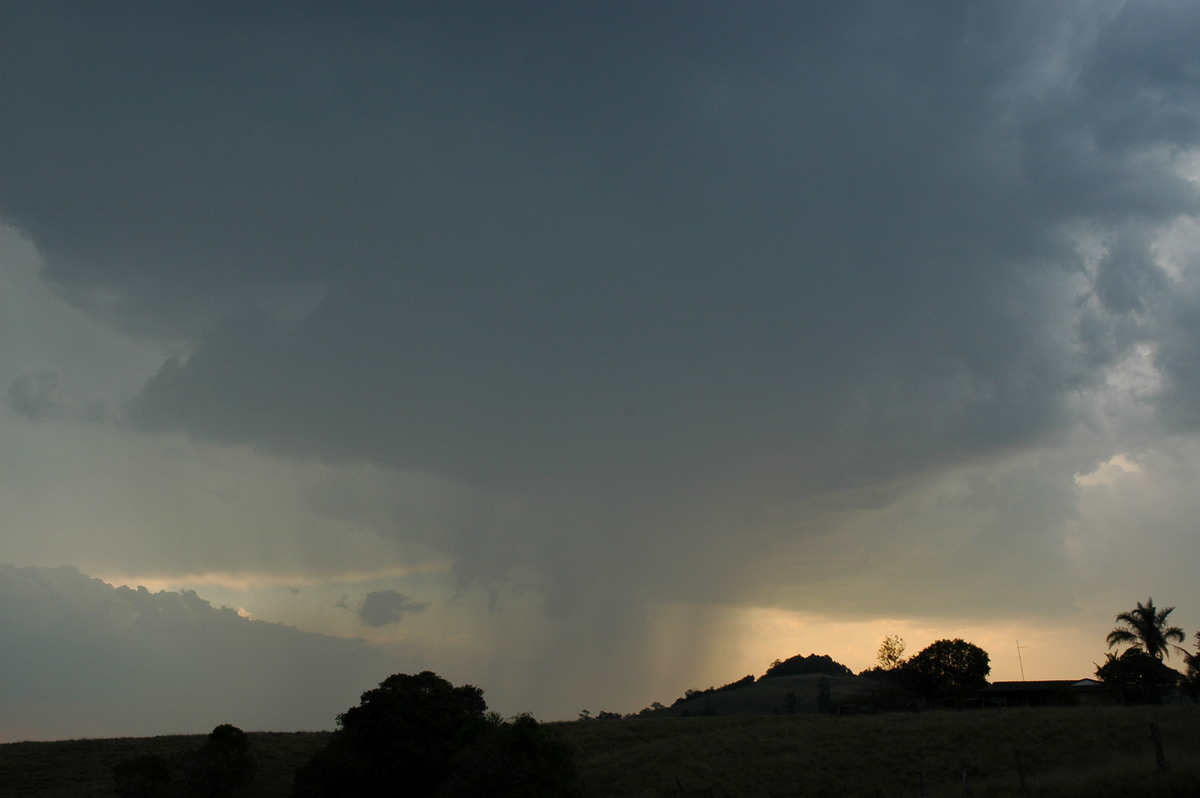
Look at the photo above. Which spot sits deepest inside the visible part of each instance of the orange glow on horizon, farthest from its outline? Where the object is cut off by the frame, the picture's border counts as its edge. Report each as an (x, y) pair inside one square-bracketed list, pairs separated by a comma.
[(1048, 651)]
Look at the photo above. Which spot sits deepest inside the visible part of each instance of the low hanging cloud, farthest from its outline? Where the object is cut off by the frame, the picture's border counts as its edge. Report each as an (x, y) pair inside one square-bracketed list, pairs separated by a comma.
[(85, 658), (385, 607)]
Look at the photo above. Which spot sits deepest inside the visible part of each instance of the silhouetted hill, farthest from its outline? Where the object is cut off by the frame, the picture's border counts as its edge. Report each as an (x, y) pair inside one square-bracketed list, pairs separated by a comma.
[(799, 665), (769, 696)]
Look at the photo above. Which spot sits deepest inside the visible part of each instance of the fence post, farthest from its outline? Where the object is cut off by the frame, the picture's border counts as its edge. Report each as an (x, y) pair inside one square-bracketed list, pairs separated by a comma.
[(1160, 758)]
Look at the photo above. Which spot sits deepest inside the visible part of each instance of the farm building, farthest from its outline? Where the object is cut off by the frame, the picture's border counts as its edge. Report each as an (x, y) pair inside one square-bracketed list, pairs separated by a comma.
[(1048, 693)]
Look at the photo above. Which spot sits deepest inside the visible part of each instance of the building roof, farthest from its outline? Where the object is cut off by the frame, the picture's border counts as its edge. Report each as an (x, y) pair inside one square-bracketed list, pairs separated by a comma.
[(1042, 686)]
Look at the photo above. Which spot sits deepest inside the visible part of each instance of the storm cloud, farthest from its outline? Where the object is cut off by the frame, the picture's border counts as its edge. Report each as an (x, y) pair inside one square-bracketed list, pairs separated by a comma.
[(82, 657), (822, 307)]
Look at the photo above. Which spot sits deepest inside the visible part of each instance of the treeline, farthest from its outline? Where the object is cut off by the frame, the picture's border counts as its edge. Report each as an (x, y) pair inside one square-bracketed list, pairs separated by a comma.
[(811, 664), (820, 664), (689, 695), (1139, 674), (414, 735), (799, 665), (220, 767)]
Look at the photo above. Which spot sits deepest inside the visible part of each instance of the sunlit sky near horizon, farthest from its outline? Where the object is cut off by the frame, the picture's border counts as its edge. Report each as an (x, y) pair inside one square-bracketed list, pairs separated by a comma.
[(584, 352)]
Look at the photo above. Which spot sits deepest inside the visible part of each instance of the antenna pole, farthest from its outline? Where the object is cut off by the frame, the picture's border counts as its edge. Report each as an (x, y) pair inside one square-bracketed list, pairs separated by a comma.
[(1019, 660)]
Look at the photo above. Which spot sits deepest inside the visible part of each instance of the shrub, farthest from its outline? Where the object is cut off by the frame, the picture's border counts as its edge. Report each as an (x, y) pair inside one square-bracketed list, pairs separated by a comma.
[(222, 765), (218, 769), (824, 697), (1138, 677), (422, 736), (518, 758)]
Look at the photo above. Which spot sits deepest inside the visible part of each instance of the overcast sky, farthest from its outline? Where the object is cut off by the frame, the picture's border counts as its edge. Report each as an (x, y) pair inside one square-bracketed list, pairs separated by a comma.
[(585, 352)]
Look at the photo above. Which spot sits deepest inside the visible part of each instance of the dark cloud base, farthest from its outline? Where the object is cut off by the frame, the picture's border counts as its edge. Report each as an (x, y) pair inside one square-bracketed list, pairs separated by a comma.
[(668, 294)]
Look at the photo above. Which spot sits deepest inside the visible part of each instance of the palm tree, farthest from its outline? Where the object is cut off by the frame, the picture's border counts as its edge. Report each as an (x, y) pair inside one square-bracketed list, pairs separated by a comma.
[(1146, 628)]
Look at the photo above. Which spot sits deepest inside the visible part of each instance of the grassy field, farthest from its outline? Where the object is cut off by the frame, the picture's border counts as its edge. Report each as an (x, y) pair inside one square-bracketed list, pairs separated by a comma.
[(1063, 752), (83, 768), (1104, 751)]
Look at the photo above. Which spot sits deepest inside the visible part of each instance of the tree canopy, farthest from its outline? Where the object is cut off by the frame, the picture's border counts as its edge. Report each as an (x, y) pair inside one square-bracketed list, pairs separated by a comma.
[(814, 663), (1137, 677), (419, 735), (1191, 683), (891, 653), (222, 765), (220, 768), (947, 669), (1146, 628)]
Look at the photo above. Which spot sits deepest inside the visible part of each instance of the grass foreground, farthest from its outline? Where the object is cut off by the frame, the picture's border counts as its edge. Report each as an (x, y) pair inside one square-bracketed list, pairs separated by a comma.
[(1102, 751), (1105, 751)]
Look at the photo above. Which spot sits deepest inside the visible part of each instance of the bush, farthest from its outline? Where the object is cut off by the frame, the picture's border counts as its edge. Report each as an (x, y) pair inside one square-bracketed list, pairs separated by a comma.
[(218, 769), (518, 758), (222, 765), (824, 696), (1191, 683), (421, 736), (1137, 677)]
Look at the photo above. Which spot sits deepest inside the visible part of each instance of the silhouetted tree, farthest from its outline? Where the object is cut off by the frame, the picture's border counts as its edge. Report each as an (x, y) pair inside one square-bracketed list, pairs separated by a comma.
[(891, 652), (221, 766), (413, 734), (218, 769), (1191, 683), (813, 663), (1137, 677), (947, 669), (1146, 628), (518, 758), (824, 696)]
